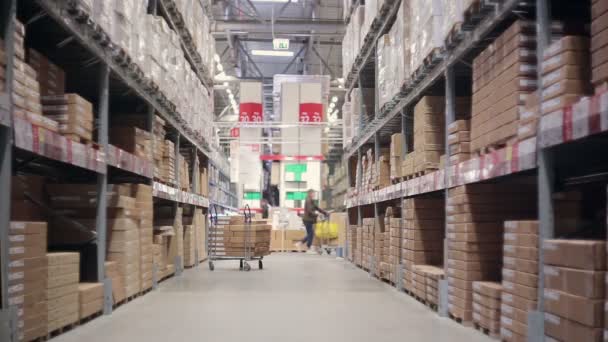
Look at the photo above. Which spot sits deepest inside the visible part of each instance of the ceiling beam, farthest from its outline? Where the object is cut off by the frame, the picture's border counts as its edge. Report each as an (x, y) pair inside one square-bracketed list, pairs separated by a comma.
[(255, 66), (297, 55), (281, 26), (331, 71), (318, 40)]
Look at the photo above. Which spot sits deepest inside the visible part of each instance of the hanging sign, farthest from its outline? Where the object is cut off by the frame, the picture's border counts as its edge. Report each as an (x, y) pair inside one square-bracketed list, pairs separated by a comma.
[(311, 112), (250, 112), (280, 44)]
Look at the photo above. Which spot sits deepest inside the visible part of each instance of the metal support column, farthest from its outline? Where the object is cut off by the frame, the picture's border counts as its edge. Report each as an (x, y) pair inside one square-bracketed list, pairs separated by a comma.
[(362, 106), (536, 319), (178, 261), (450, 116), (8, 316), (358, 185), (102, 188), (194, 181)]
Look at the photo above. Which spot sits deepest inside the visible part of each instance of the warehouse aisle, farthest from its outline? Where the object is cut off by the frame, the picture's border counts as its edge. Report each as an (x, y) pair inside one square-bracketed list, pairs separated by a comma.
[(296, 297)]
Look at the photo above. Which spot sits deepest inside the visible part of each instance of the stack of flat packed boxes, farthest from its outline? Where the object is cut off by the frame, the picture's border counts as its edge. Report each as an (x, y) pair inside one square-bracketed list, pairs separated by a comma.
[(527, 126), (26, 87), (73, 113), (380, 238), (565, 74), (133, 140), (118, 283), (90, 299), (63, 274), (394, 252), (27, 277), (158, 141), (418, 283), (234, 237), (200, 224), (519, 277), (396, 151), (429, 133), (50, 76), (475, 219), (351, 237), (486, 306), (432, 276), (382, 169), (459, 141), (367, 249), (599, 42), (184, 173), (503, 75), (168, 162), (145, 208), (575, 272), (189, 245), (165, 237), (423, 234), (358, 255)]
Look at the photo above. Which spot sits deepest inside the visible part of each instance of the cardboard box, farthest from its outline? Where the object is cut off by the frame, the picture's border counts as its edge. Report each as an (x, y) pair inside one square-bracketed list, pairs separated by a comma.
[(489, 289), (567, 330), (584, 283), (518, 302), (582, 254), (522, 278), (586, 311)]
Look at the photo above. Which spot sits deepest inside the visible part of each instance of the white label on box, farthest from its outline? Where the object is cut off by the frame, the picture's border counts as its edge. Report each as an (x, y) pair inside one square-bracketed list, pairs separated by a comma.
[(549, 246), (506, 320), (553, 48), (16, 275), (552, 295), (552, 318), (477, 297), (554, 75), (510, 224), (509, 248), (526, 53), (552, 89), (17, 225), (508, 273), (510, 236), (527, 68), (477, 286), (551, 103), (527, 83), (552, 61), (552, 271), (507, 285), (507, 297), (16, 300), (509, 261), (15, 288), (16, 263), (16, 238), (506, 333), (476, 316), (506, 308), (477, 307), (16, 250)]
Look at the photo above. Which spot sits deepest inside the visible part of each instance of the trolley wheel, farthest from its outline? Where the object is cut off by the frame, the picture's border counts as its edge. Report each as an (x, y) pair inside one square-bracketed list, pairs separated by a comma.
[(241, 264), (211, 266), (246, 267), (328, 250), (260, 264)]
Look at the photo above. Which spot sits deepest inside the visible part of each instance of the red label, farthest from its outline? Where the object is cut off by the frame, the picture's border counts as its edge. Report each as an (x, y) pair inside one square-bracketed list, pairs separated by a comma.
[(567, 127), (235, 132), (251, 112), (255, 148), (311, 112)]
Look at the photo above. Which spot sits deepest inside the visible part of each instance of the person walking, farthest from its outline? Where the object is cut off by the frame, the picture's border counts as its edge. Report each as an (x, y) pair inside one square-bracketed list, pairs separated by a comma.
[(309, 218)]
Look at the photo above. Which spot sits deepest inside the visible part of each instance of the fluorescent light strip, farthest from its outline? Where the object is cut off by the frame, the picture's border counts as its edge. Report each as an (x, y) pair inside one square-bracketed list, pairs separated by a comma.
[(272, 53)]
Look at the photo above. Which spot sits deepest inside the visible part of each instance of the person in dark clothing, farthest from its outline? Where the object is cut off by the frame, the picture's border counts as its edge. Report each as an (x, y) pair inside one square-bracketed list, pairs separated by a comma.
[(309, 218), (265, 208)]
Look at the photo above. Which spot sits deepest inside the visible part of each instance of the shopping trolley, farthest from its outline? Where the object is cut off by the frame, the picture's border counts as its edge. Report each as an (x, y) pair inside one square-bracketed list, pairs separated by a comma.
[(325, 231), (217, 247)]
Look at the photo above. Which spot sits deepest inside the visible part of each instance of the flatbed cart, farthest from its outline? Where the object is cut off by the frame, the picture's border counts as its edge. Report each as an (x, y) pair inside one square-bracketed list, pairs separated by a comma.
[(322, 241), (216, 239)]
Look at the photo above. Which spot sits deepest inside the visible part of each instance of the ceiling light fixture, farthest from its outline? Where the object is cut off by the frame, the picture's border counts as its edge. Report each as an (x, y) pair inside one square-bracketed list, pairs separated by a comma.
[(334, 99), (220, 67), (272, 53), (225, 84), (216, 58)]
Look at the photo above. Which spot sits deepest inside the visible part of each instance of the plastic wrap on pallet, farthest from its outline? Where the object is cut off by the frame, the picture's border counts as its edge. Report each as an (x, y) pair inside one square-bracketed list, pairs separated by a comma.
[(357, 23), (347, 124), (385, 75), (347, 51), (102, 14), (453, 15), (371, 10), (425, 31)]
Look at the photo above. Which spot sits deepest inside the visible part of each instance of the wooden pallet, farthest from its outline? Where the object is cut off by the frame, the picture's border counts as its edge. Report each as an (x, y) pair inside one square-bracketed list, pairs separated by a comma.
[(459, 320), (455, 35), (397, 180), (61, 330), (495, 146), (486, 331), (79, 139), (89, 318)]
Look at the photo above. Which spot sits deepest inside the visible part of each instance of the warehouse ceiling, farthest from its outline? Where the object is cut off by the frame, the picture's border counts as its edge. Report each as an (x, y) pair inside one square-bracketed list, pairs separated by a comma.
[(314, 30)]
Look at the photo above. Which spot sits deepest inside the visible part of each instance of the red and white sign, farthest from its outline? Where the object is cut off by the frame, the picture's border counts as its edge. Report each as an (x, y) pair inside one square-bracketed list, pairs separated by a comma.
[(235, 132), (251, 112), (311, 112)]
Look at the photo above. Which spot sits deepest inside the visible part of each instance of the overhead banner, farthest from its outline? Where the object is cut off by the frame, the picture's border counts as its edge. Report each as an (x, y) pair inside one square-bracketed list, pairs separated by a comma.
[(311, 112), (251, 112)]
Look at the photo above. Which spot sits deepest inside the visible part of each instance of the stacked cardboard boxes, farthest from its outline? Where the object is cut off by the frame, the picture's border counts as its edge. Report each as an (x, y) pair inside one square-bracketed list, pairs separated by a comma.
[(351, 238), (184, 173), (574, 294), (504, 74), (200, 224), (50, 76), (27, 277), (432, 276), (26, 87), (118, 283), (168, 162), (418, 283), (63, 274), (73, 113), (486, 305), (380, 253), (189, 246), (394, 252), (565, 73), (158, 142), (423, 235), (144, 206), (429, 133), (475, 215), (90, 299), (519, 277), (396, 152), (133, 140), (459, 141), (599, 42), (358, 254), (367, 242), (234, 237)]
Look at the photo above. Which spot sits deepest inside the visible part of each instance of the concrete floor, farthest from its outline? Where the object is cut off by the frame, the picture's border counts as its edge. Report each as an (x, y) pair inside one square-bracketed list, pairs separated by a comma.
[(296, 297)]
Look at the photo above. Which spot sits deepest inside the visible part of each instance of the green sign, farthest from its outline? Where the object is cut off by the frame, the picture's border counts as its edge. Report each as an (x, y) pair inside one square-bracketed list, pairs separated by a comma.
[(296, 195), (297, 169), (252, 195)]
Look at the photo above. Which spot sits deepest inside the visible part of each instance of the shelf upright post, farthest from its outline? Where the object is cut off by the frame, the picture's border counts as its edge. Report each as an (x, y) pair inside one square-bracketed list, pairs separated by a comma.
[(8, 315), (362, 106), (450, 116), (404, 151), (176, 170), (546, 177), (358, 185), (193, 186), (102, 188)]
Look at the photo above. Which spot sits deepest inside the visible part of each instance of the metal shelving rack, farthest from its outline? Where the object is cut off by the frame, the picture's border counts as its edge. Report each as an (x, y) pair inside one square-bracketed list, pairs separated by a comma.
[(551, 156), (116, 83)]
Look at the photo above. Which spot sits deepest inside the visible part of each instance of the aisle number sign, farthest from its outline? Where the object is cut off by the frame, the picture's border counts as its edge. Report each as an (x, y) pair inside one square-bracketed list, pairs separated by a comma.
[(311, 112), (280, 44), (250, 112)]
